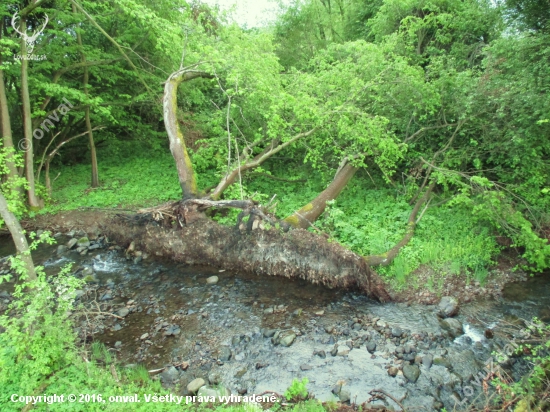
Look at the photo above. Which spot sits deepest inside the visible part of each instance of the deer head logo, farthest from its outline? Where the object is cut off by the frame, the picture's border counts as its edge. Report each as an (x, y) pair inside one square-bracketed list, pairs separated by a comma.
[(29, 40)]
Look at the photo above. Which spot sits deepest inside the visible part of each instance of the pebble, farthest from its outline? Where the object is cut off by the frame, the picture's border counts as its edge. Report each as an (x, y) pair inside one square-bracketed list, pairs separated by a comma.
[(212, 280)]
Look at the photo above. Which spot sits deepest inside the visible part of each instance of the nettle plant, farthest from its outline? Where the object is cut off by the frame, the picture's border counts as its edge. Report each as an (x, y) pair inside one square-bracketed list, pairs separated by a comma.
[(38, 339)]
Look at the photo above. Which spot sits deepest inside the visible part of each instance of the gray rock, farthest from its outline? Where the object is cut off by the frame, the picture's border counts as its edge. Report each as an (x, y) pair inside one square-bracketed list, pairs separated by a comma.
[(87, 271), (123, 312), (217, 392), (116, 327), (287, 338), (83, 242), (371, 347), (448, 306), (427, 360), (334, 350), (170, 375), (172, 330), (268, 311), (453, 326), (212, 280), (305, 367), (411, 372), (464, 364), (322, 354), (195, 385), (225, 354), (396, 332), (269, 333), (344, 395), (106, 296), (118, 344), (61, 249)]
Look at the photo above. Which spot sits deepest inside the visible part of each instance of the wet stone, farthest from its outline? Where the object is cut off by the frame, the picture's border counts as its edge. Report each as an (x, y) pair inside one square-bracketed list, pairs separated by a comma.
[(392, 371), (448, 306), (453, 326), (72, 243), (411, 372), (83, 242), (287, 338), (212, 280), (322, 354), (396, 332), (371, 347), (61, 249)]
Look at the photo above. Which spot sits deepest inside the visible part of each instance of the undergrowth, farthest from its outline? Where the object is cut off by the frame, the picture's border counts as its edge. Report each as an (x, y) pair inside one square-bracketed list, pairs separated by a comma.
[(364, 218)]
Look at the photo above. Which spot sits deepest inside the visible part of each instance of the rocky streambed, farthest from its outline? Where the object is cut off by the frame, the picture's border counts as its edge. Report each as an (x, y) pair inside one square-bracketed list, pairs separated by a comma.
[(196, 326)]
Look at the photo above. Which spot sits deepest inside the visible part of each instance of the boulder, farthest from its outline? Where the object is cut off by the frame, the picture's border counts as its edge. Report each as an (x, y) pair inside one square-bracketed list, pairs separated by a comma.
[(83, 242), (411, 372), (216, 392), (195, 385), (448, 306), (453, 326)]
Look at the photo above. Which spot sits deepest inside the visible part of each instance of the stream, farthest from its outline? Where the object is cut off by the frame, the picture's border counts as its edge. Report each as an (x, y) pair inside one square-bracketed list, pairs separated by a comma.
[(252, 334)]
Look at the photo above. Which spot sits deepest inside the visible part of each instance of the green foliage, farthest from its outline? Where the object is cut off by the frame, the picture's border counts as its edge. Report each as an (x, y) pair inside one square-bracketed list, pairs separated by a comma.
[(530, 392), (297, 390)]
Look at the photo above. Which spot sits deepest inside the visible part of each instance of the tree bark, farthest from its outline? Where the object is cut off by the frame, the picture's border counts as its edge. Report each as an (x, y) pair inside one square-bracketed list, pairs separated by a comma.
[(7, 139), (304, 217), (232, 176), (34, 202), (93, 155), (178, 148), (18, 237)]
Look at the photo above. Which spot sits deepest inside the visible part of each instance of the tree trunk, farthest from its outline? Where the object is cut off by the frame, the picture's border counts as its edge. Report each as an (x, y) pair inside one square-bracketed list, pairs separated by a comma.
[(18, 237), (296, 254), (34, 202), (304, 217), (178, 148), (93, 155), (7, 139), (386, 258), (274, 148)]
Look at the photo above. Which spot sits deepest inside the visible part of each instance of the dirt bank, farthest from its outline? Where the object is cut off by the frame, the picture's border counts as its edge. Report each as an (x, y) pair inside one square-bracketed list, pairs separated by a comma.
[(297, 253)]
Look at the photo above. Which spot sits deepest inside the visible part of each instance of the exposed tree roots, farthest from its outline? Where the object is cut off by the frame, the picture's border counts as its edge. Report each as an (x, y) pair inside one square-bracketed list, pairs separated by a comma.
[(180, 232)]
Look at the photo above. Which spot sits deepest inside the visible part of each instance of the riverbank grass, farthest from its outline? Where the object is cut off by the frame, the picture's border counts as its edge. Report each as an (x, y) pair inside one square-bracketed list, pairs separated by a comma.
[(364, 218)]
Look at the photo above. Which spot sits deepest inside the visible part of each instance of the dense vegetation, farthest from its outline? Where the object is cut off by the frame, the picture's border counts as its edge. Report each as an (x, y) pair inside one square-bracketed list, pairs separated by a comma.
[(429, 117)]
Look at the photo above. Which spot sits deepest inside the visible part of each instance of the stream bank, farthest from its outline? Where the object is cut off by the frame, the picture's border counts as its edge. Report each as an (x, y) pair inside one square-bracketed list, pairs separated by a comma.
[(254, 333)]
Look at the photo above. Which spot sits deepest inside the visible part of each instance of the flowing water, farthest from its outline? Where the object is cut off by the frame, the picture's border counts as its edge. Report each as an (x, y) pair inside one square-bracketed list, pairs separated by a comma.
[(224, 331)]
